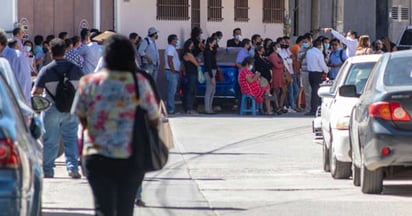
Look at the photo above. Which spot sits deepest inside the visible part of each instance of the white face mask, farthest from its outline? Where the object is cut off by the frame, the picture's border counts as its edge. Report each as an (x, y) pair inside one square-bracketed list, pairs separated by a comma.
[(27, 48), (278, 49), (178, 43), (238, 37), (251, 67)]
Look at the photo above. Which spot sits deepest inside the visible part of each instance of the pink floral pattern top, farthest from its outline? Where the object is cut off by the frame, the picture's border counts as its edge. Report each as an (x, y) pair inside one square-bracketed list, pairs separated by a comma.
[(108, 101)]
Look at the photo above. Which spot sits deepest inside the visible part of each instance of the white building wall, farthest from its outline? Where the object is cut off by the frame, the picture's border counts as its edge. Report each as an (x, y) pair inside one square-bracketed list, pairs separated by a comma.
[(139, 15)]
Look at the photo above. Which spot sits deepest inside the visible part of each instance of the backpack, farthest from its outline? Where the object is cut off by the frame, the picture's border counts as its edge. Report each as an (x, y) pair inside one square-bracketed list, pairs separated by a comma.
[(65, 92)]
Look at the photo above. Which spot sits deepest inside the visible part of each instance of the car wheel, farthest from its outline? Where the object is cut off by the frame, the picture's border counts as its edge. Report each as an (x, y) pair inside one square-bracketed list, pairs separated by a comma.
[(339, 169), (326, 165), (371, 181), (355, 172)]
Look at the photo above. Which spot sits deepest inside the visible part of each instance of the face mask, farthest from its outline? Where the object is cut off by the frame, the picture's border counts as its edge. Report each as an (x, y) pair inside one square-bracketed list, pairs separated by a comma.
[(326, 45), (305, 45), (284, 46), (27, 48), (278, 50), (218, 40), (238, 37), (251, 67), (178, 43)]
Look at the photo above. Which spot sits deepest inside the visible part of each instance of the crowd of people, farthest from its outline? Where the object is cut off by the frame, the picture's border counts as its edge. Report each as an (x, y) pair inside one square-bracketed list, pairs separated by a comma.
[(285, 78)]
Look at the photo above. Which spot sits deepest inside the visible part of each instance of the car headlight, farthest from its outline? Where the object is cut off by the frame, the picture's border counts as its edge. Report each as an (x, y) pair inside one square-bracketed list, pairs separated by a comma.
[(343, 123)]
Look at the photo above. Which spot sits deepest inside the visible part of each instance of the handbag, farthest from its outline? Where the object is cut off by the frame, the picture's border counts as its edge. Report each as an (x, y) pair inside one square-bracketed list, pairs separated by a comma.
[(200, 76), (165, 131), (263, 82), (219, 77), (149, 151), (287, 77)]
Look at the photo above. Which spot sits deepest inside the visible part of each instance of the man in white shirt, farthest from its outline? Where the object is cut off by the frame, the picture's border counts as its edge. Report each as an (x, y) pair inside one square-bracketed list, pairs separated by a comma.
[(172, 71), (350, 40), (316, 67)]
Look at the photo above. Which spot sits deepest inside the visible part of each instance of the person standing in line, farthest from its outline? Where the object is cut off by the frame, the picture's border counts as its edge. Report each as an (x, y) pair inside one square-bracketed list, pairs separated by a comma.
[(363, 47), (278, 85), (316, 68), (172, 71), (292, 87), (20, 66), (336, 58), (58, 123), (351, 40), (191, 65), (72, 55), (111, 169), (209, 56), (243, 53), (198, 45), (236, 41), (256, 41), (304, 75), (88, 51), (18, 35), (149, 53)]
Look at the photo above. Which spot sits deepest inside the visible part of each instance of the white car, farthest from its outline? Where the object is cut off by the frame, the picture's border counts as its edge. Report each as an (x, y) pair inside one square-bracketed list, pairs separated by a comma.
[(336, 111)]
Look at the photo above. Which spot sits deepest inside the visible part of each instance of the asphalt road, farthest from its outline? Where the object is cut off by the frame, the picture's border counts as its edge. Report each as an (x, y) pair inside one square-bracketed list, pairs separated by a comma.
[(232, 165)]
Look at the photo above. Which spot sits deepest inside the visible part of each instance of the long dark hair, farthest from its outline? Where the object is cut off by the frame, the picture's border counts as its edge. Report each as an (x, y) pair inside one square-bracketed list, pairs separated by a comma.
[(208, 41), (119, 53), (186, 47)]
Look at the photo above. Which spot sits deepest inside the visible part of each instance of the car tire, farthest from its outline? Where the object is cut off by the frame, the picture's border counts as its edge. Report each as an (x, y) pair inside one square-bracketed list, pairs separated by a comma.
[(371, 181), (339, 169), (355, 173), (326, 165)]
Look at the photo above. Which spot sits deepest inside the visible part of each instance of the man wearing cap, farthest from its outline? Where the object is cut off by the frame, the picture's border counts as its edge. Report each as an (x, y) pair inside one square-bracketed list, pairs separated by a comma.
[(149, 53)]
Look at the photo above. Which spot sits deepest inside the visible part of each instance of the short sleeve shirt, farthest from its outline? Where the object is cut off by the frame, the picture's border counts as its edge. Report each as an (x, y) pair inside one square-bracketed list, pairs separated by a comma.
[(108, 101)]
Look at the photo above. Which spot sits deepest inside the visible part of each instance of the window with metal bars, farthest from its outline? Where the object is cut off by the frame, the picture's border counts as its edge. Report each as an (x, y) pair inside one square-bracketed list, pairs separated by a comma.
[(241, 10), (273, 11), (172, 9), (214, 10)]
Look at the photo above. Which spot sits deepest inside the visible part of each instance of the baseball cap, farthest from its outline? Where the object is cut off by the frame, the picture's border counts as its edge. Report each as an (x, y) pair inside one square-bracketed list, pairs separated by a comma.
[(152, 30)]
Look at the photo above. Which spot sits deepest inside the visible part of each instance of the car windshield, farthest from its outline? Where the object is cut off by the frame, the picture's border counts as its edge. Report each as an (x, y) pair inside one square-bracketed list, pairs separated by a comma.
[(398, 72), (406, 37), (358, 75)]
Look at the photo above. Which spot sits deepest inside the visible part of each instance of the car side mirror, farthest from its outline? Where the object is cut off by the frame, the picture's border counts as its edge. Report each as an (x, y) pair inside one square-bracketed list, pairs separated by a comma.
[(39, 103), (36, 127), (324, 91), (348, 91)]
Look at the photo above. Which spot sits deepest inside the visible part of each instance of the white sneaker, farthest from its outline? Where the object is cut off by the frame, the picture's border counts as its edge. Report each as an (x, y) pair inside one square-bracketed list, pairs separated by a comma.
[(290, 110)]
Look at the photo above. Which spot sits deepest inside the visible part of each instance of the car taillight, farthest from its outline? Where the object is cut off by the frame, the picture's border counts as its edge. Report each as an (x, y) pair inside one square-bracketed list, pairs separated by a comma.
[(391, 111), (9, 157)]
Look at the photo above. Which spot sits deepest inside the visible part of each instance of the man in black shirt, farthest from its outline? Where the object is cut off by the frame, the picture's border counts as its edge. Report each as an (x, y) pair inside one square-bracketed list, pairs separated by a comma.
[(236, 40)]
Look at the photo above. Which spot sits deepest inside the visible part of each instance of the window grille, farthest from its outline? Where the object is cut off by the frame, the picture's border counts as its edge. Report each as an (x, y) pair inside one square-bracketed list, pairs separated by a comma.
[(214, 10), (273, 11), (241, 10), (404, 13), (395, 13), (172, 9)]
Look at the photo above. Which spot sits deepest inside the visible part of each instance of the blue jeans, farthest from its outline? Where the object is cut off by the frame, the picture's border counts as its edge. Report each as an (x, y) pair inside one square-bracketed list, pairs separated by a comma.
[(190, 91), (293, 91), (58, 124), (172, 81), (151, 69)]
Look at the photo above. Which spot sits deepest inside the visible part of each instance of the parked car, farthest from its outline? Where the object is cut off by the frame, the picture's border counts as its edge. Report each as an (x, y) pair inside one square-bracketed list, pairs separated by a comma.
[(381, 125), (405, 39), (34, 124), (228, 89), (335, 114), (20, 159)]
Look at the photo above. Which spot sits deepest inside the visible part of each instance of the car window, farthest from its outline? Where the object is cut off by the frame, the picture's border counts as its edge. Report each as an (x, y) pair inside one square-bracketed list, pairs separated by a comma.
[(398, 72), (339, 77), (358, 75), (8, 104), (406, 37)]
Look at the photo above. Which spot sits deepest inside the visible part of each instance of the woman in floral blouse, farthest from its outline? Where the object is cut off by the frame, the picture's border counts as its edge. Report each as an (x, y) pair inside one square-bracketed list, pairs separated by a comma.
[(105, 104)]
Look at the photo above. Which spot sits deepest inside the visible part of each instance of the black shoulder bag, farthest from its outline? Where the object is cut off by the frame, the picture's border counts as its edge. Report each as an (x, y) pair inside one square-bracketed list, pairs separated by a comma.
[(149, 152)]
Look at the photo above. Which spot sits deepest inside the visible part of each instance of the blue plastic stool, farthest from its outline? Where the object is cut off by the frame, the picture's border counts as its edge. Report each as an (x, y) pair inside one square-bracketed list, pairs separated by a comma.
[(244, 105)]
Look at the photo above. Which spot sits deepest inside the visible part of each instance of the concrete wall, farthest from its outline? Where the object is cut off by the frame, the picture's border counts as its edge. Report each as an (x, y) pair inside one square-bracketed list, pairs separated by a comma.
[(139, 15)]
